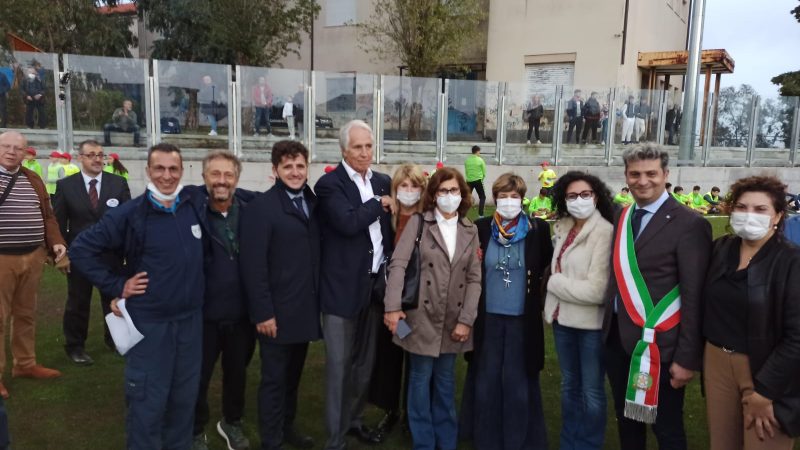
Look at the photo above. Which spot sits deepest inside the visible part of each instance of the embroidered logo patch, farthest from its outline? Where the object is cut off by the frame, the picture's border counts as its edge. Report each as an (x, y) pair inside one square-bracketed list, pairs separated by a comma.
[(196, 232), (112, 203)]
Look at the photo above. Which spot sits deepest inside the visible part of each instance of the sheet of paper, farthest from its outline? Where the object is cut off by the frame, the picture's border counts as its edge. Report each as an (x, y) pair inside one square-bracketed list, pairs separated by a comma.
[(122, 330)]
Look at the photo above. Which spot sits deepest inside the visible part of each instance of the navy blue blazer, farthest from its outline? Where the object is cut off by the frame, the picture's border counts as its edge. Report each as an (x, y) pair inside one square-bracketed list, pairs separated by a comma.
[(346, 246)]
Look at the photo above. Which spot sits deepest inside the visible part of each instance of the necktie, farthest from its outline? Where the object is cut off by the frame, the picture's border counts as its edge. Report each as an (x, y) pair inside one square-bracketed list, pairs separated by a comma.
[(298, 202), (636, 222), (93, 193)]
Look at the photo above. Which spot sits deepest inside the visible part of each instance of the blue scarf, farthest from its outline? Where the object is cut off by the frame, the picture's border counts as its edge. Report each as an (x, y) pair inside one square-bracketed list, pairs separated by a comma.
[(512, 230)]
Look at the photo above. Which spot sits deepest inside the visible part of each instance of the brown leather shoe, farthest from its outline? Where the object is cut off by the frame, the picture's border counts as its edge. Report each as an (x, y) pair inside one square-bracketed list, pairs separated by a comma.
[(35, 371), (3, 391)]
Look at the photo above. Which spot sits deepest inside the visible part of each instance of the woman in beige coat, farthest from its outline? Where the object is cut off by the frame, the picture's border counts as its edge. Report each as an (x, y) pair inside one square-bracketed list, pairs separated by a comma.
[(574, 304), (450, 285)]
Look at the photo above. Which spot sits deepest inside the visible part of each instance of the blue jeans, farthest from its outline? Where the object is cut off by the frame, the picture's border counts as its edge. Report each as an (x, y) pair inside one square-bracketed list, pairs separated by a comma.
[(432, 401), (212, 120), (583, 395)]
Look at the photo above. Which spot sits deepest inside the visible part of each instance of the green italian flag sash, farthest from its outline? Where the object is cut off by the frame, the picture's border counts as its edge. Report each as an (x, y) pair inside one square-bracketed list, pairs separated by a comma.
[(641, 397)]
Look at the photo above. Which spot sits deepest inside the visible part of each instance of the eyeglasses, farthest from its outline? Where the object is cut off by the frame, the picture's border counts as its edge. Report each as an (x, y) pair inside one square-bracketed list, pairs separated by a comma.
[(93, 155), (441, 192), (571, 197)]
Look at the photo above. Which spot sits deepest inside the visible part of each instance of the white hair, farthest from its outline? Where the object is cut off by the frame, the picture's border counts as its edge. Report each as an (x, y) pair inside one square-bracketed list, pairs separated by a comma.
[(344, 132)]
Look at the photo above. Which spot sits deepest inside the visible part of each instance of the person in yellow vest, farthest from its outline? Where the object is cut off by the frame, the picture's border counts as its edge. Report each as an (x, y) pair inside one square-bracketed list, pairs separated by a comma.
[(31, 163), (697, 202), (69, 168), (113, 165), (540, 206), (682, 198), (624, 197), (547, 177), (713, 200), (55, 172)]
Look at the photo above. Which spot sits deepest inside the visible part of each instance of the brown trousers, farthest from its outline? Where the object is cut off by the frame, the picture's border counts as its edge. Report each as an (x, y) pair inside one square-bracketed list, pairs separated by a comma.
[(19, 284), (727, 381)]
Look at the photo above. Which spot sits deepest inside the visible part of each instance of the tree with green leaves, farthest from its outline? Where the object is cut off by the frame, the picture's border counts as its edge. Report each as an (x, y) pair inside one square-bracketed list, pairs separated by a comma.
[(68, 26), (424, 35), (790, 81)]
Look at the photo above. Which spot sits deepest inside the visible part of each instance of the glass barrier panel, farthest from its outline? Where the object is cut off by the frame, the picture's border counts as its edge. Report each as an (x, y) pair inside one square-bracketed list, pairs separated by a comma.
[(529, 112), (28, 97), (410, 109), (272, 107), (338, 99), (730, 128), (192, 104), (774, 131), (584, 111), (108, 101), (471, 118)]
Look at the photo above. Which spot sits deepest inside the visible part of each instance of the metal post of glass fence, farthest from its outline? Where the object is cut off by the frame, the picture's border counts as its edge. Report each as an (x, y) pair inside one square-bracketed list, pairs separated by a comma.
[(795, 132), (311, 123), (662, 111), (149, 131), (60, 117), (308, 117), (441, 125), (751, 142), (558, 123), (500, 134), (706, 149), (232, 132), (236, 110), (156, 102), (377, 128), (67, 109), (611, 121)]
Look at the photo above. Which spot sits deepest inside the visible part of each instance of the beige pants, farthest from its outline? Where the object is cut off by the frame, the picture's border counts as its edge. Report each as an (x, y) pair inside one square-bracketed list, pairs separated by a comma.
[(19, 284), (727, 380)]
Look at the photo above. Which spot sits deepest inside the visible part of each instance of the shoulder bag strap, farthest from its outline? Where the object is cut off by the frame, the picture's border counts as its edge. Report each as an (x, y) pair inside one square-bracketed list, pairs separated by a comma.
[(9, 187)]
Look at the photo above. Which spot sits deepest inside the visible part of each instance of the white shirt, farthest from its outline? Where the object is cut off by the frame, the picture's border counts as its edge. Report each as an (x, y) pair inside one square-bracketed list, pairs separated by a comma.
[(365, 189), (651, 208), (87, 179), (288, 110), (449, 229)]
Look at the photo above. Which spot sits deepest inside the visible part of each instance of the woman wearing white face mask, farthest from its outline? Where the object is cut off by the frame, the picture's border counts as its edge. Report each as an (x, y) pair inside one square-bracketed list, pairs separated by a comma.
[(574, 305), (751, 363), (440, 327), (502, 402), (386, 383)]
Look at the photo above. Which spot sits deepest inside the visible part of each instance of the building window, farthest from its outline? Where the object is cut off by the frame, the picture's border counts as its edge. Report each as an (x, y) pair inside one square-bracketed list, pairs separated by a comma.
[(339, 12)]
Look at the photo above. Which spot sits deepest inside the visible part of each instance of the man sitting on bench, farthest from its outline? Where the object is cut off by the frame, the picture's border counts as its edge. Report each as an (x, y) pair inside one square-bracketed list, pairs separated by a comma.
[(124, 120)]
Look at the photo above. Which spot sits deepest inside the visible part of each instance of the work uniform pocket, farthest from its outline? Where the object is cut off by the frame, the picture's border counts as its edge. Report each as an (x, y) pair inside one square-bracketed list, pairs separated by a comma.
[(135, 384)]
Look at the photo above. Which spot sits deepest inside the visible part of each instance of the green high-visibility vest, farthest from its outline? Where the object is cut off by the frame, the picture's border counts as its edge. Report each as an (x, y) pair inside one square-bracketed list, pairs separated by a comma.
[(54, 173), (71, 169), (34, 166)]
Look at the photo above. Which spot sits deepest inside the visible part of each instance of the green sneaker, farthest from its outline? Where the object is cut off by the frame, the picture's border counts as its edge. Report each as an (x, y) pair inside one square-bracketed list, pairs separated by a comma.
[(200, 442), (233, 434)]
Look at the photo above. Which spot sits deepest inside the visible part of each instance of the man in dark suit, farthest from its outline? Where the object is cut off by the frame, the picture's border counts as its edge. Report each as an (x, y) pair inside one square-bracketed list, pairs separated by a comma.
[(671, 249), (355, 208), (280, 271), (80, 201)]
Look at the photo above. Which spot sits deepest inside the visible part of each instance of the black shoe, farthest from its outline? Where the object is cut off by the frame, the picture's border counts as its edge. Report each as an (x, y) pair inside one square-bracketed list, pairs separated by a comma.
[(366, 435), (297, 440), (388, 422), (79, 357)]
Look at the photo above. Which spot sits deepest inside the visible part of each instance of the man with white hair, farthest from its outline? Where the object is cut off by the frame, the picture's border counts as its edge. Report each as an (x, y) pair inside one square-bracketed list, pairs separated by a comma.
[(355, 209)]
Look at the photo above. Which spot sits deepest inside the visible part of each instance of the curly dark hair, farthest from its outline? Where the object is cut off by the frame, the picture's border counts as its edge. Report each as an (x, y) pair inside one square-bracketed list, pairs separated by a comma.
[(601, 193), (439, 177), (772, 186)]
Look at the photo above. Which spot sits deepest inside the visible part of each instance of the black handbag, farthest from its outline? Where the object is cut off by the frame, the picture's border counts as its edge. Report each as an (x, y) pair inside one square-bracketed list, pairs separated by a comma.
[(410, 297)]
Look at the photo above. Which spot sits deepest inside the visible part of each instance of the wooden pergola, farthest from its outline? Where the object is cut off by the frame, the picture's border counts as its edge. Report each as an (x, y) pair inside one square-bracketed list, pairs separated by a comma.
[(669, 63)]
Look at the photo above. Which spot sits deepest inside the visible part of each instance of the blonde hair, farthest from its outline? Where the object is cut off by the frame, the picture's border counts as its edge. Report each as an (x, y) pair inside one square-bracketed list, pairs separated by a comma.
[(413, 173)]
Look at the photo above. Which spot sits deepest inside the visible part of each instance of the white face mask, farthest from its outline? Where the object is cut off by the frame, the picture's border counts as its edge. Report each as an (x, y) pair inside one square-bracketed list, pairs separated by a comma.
[(509, 208), (581, 208), (750, 226), (408, 198), (163, 197), (31, 76), (449, 203)]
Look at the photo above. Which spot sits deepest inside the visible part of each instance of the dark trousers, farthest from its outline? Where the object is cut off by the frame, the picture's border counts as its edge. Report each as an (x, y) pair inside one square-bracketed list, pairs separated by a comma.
[(5, 438), (77, 311), (668, 428), (38, 106), (262, 116), (3, 110), (109, 127), (591, 124), (477, 185), (386, 386), (162, 373), (281, 368), (575, 124), (533, 126), (236, 342)]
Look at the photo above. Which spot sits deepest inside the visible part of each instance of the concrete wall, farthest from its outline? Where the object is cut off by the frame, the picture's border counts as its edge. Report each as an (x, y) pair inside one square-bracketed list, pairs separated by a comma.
[(257, 175)]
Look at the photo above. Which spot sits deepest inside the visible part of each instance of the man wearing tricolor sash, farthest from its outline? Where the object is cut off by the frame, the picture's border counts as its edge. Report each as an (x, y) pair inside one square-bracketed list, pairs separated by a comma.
[(652, 324)]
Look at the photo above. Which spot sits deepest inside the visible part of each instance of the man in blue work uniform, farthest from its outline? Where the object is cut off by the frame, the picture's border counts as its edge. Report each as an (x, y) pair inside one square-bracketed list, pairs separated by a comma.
[(160, 236)]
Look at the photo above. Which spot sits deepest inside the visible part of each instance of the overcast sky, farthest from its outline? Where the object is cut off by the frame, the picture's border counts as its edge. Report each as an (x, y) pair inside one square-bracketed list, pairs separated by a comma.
[(761, 36)]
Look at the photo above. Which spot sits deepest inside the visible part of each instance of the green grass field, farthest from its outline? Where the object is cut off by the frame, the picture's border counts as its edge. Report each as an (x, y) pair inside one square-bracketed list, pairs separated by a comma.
[(85, 409)]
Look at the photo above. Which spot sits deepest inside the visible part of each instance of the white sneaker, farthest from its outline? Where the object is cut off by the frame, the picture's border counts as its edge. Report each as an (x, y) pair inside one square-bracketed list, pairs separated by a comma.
[(538, 141), (529, 142), (212, 133)]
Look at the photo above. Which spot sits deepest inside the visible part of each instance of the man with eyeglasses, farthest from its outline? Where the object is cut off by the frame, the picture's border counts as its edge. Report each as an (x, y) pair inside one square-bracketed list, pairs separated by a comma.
[(29, 232), (79, 202), (227, 331), (160, 235), (355, 215)]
